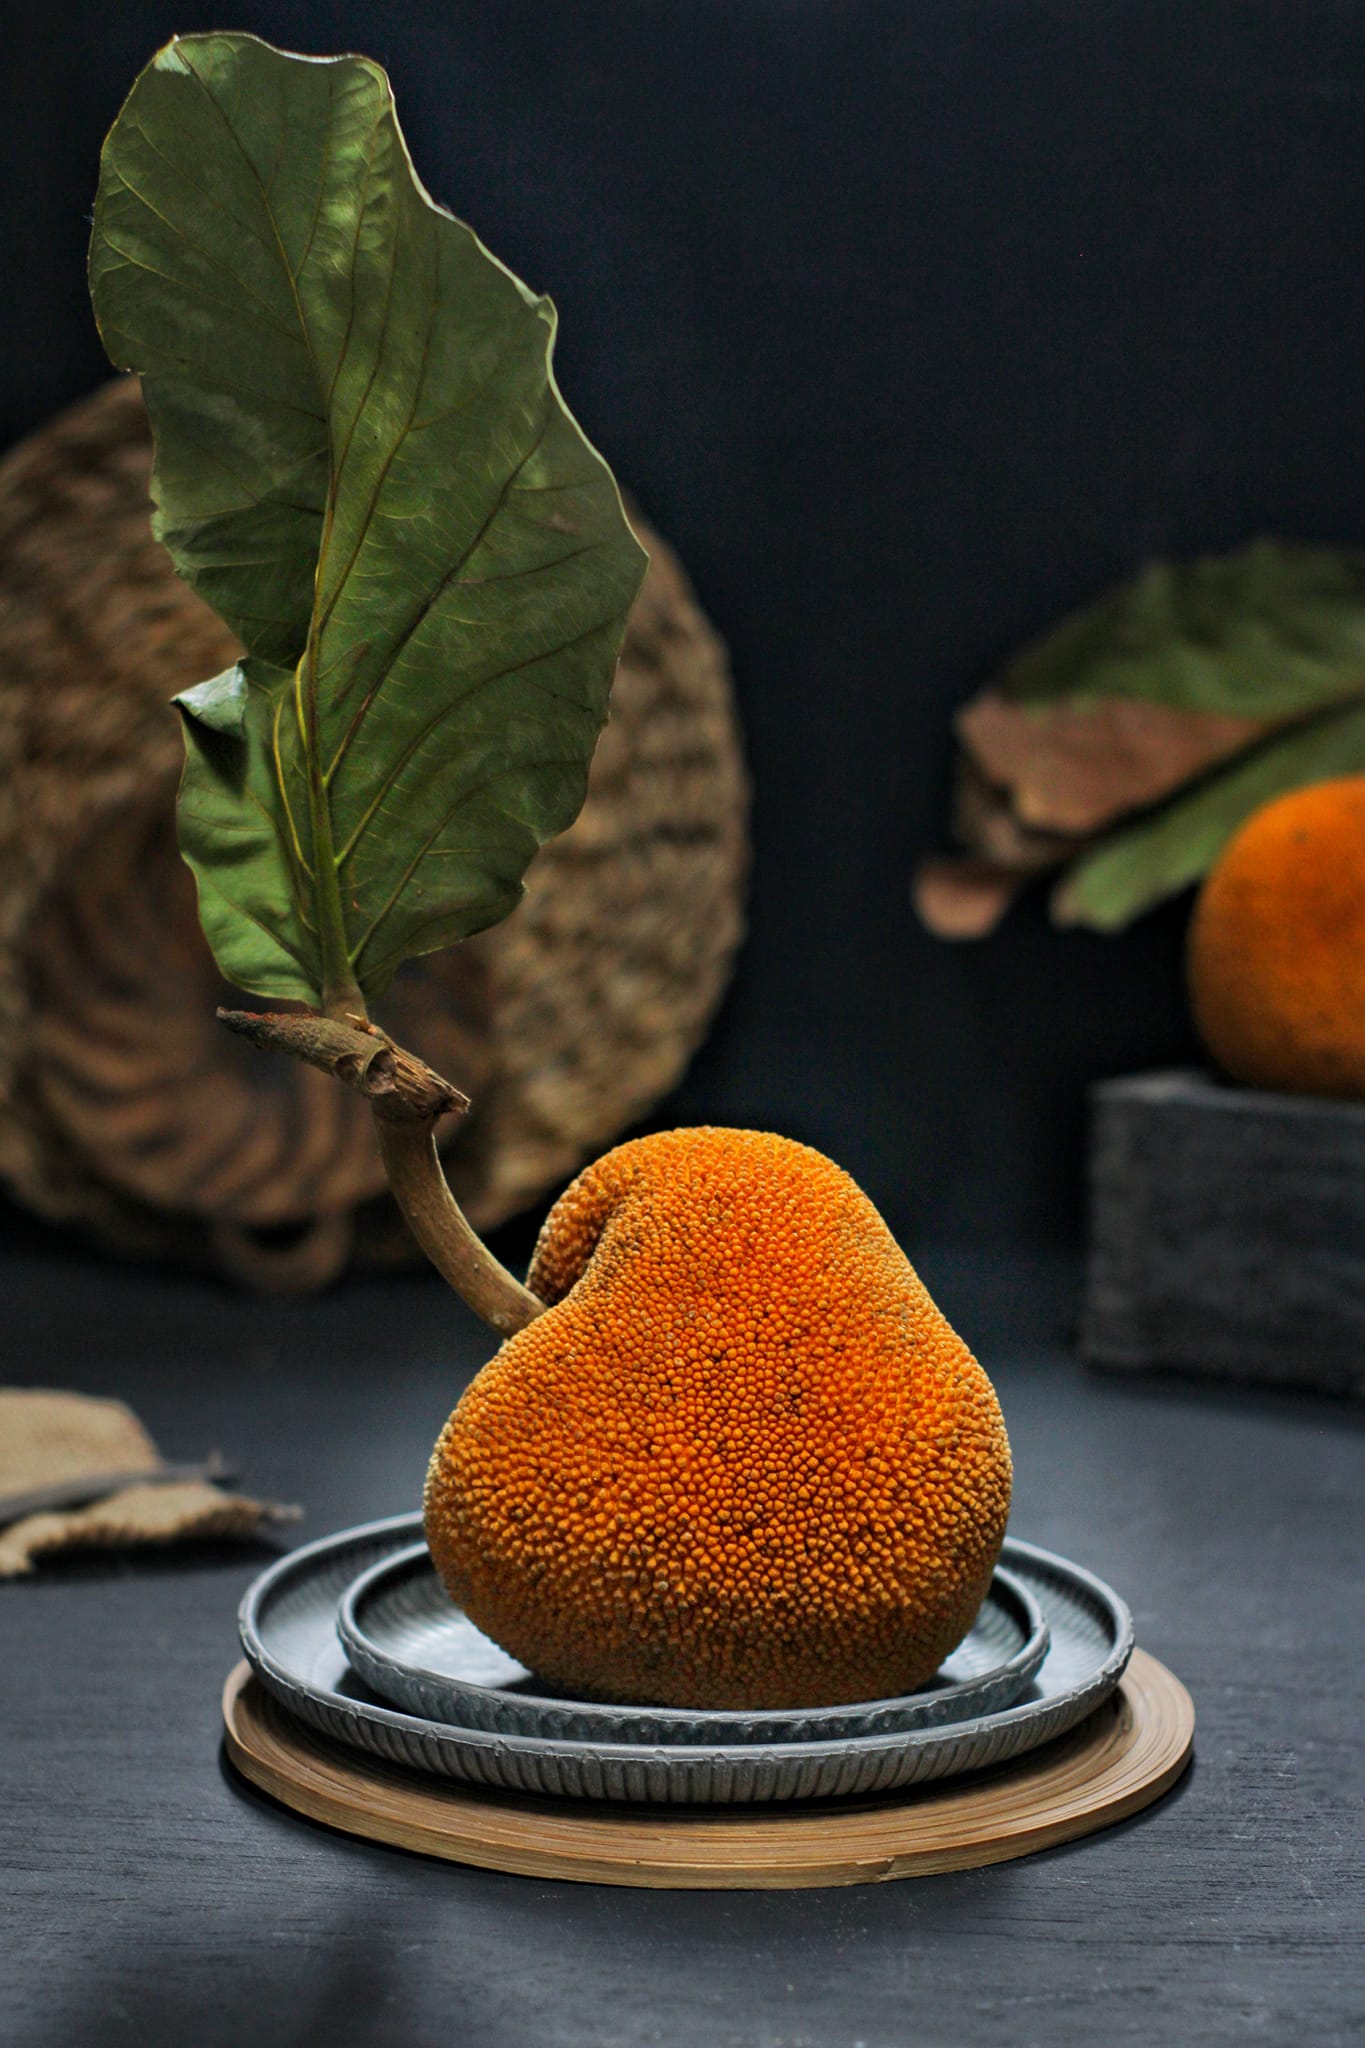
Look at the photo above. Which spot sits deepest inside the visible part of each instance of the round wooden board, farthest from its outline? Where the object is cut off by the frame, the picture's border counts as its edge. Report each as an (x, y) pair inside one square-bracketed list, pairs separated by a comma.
[(1130, 1751)]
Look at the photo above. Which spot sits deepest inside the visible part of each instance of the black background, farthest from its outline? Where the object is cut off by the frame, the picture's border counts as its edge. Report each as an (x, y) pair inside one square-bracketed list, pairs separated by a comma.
[(912, 325)]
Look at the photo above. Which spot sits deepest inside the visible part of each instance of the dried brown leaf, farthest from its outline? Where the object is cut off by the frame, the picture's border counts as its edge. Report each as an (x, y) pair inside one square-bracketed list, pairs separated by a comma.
[(984, 821), (959, 897), (1075, 768)]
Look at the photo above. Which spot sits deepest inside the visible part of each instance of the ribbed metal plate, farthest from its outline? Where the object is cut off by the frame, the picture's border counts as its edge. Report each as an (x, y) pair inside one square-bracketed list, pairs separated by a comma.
[(288, 1625), (413, 1646)]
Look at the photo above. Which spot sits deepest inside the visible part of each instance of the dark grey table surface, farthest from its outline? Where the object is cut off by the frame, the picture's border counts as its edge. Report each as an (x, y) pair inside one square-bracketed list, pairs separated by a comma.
[(150, 1897)]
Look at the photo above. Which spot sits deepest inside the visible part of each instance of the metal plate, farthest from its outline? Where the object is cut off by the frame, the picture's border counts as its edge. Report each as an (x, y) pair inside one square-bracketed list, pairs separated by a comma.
[(288, 1629), (410, 1643)]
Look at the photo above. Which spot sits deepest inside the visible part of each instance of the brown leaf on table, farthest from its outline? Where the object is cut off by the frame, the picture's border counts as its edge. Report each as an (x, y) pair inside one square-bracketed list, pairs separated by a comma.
[(50, 1438), (137, 1515), (47, 1436)]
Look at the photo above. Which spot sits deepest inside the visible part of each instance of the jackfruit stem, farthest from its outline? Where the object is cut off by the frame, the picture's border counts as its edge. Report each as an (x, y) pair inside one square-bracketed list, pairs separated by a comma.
[(406, 1098), (441, 1228)]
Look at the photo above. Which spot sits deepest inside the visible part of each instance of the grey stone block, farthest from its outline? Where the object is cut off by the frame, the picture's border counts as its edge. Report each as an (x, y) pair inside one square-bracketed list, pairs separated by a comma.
[(1227, 1233)]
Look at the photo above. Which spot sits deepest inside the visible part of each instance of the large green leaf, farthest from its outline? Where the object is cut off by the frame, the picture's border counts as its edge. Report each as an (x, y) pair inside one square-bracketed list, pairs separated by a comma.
[(1138, 865), (1269, 632), (365, 467)]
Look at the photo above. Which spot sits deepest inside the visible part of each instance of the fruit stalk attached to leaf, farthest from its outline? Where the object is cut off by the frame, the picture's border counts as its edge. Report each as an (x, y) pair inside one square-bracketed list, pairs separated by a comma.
[(364, 465)]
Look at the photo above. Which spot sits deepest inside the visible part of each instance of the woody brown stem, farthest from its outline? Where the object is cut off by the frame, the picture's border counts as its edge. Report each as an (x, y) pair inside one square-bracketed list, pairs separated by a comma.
[(397, 1086), (438, 1223), (406, 1097)]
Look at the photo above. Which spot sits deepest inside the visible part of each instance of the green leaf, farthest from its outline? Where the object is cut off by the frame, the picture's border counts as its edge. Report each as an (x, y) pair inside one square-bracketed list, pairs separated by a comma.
[(364, 465), (1270, 632), (1138, 865), (220, 703), (238, 809)]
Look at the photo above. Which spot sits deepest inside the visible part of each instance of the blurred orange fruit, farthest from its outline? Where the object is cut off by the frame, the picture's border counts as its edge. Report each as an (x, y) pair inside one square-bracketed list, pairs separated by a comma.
[(1277, 945)]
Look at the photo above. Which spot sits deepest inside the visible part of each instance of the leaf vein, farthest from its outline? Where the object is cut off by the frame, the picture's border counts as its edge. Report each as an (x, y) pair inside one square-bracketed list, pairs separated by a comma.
[(444, 711)]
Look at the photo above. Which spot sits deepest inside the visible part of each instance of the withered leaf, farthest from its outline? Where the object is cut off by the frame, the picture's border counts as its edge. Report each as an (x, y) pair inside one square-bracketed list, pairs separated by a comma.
[(1132, 738), (985, 821), (1137, 866), (1072, 768), (959, 897)]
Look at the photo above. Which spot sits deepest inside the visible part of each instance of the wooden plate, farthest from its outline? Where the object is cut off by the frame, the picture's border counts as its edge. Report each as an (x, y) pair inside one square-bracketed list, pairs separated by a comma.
[(1130, 1751)]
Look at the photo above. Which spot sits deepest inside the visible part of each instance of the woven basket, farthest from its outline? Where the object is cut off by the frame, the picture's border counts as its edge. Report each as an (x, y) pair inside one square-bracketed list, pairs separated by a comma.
[(124, 1107)]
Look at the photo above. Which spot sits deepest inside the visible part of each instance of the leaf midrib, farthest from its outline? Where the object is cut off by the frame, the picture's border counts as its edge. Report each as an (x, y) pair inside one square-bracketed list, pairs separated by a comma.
[(330, 922)]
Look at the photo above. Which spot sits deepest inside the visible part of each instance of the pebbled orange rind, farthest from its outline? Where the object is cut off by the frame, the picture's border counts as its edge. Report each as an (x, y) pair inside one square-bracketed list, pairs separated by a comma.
[(742, 1460)]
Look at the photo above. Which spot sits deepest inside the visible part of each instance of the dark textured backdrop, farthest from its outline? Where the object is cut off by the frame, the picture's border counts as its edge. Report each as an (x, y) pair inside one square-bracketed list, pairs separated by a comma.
[(912, 324)]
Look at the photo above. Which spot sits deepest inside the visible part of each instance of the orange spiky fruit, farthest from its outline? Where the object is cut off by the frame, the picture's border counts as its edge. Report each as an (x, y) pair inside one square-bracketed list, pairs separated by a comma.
[(741, 1461), (1276, 950)]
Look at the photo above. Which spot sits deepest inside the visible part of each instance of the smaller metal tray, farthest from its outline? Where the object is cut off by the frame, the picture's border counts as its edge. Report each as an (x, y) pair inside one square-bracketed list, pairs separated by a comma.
[(288, 1624), (414, 1647)]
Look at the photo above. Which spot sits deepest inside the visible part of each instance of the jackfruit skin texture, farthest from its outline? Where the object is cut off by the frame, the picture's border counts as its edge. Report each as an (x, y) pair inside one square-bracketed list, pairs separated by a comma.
[(741, 1462), (1276, 949)]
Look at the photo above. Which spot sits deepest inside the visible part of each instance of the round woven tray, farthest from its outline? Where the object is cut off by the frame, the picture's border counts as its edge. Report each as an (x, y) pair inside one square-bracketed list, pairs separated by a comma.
[(1130, 1751), (123, 1106)]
